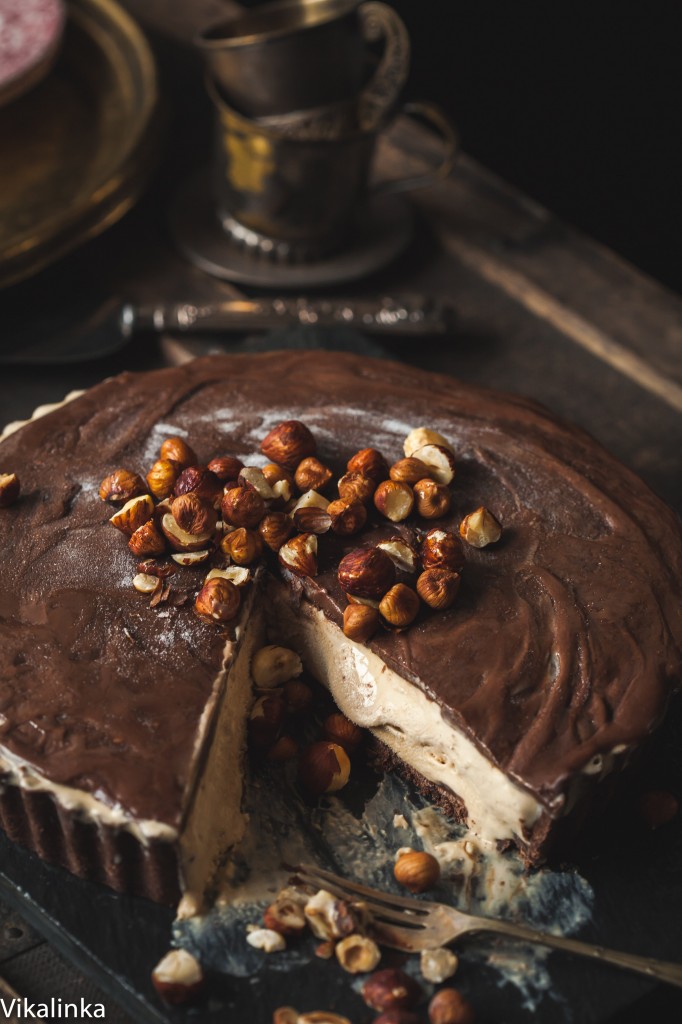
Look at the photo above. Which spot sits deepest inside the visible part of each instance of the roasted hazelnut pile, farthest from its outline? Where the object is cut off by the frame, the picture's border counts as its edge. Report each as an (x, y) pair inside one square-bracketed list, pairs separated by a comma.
[(232, 516)]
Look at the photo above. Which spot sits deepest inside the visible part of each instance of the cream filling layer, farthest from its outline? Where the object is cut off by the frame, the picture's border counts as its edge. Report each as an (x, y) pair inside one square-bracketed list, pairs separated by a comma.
[(373, 696)]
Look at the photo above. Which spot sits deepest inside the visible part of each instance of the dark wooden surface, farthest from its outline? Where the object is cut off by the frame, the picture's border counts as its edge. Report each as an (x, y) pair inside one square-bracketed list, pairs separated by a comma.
[(542, 311)]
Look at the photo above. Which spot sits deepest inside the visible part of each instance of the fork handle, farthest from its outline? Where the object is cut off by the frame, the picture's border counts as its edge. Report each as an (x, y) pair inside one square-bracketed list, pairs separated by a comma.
[(661, 970)]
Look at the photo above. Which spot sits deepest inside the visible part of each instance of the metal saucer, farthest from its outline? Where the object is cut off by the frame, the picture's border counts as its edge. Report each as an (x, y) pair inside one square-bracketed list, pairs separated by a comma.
[(382, 231)]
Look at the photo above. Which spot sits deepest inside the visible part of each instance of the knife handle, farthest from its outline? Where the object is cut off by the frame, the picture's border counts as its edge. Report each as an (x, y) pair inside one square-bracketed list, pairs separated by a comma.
[(405, 315)]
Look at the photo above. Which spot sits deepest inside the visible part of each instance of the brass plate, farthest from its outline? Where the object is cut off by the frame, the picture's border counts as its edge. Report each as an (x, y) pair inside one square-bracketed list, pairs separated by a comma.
[(77, 149)]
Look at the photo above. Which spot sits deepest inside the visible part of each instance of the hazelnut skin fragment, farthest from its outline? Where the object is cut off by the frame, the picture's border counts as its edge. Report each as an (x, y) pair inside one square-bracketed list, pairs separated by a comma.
[(450, 1007), (177, 450), (391, 989), (288, 444), (10, 488), (417, 871), (399, 606), (366, 572), (120, 486), (324, 768), (360, 622)]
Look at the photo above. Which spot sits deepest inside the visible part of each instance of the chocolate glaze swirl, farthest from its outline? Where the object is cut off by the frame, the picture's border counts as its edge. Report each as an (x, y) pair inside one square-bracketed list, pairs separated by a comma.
[(565, 641)]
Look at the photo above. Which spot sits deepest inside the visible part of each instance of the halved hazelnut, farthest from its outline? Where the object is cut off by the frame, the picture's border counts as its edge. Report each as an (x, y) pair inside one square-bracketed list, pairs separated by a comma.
[(401, 553), (134, 514), (253, 476), (356, 487), (178, 977), (145, 584), (151, 567), (339, 729), (312, 519), (281, 481), (440, 462), (324, 768), (285, 916), (177, 450), (408, 471), (243, 546), (275, 528), (400, 606), (10, 489), (433, 499), (394, 500), (391, 989), (288, 444), (219, 600), (330, 917), (225, 467), (442, 550), (147, 540), (360, 622), (199, 480), (190, 558), (194, 514), (242, 506), (366, 572), (480, 528), (119, 486), (162, 476), (369, 462), (347, 519), (179, 539), (272, 665), (438, 588), (417, 871), (420, 437), (357, 954), (267, 940), (236, 574), (311, 499), (299, 555), (312, 475)]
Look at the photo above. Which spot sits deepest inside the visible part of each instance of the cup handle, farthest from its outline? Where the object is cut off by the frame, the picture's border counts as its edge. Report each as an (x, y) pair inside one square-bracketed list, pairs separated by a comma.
[(439, 120), (377, 99)]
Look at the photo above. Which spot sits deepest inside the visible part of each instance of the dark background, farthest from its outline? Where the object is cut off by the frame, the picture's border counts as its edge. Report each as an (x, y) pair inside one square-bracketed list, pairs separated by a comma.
[(578, 105)]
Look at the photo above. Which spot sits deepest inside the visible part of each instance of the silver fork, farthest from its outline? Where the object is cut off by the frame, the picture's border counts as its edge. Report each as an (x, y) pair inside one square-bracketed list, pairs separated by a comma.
[(413, 925)]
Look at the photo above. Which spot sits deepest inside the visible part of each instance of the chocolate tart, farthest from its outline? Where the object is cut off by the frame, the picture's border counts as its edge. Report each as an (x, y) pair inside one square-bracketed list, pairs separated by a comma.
[(122, 726)]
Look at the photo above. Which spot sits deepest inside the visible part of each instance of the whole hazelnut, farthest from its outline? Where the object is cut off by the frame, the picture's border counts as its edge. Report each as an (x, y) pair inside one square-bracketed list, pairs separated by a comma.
[(480, 528), (162, 476), (283, 749), (193, 514), (438, 588), (311, 519), (339, 729), (324, 768), (408, 471), (201, 481), (450, 1007), (242, 506), (147, 540), (391, 989), (120, 486), (417, 871), (442, 550), (369, 462), (366, 572), (298, 696), (288, 444), (225, 467), (272, 665), (275, 528), (394, 500), (360, 622), (243, 546), (266, 720), (433, 500), (177, 450), (218, 600), (178, 977), (399, 606), (346, 519), (299, 555), (311, 474), (10, 489), (356, 487)]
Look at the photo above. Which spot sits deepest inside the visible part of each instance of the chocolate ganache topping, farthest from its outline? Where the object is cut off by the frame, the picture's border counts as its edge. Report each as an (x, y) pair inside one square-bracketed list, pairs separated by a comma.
[(564, 643)]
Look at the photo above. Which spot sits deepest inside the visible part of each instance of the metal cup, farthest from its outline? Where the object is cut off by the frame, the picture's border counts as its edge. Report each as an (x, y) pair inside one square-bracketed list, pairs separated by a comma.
[(298, 198), (292, 55)]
